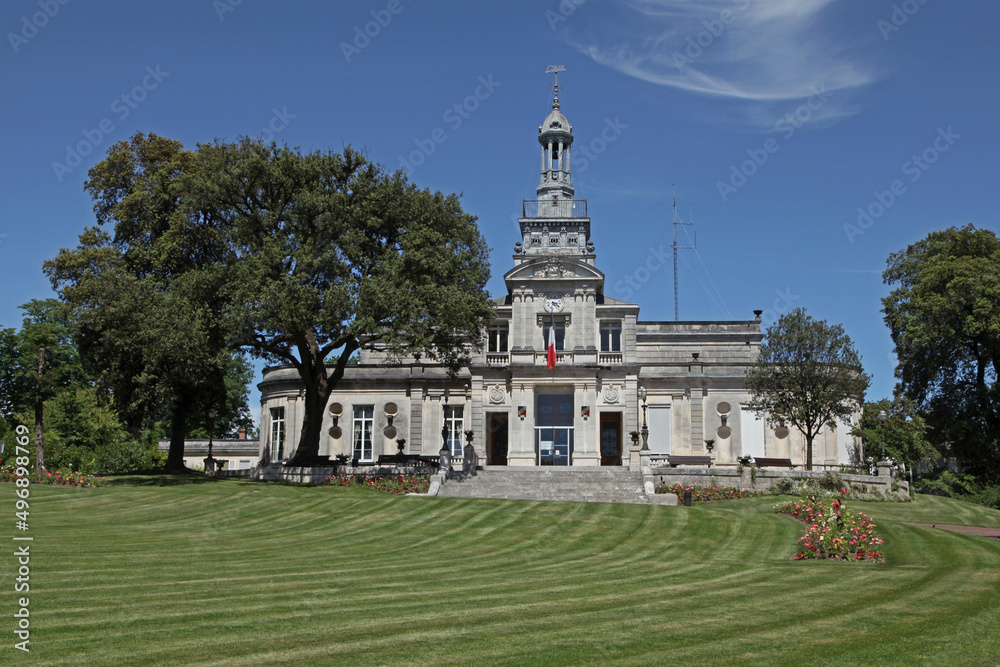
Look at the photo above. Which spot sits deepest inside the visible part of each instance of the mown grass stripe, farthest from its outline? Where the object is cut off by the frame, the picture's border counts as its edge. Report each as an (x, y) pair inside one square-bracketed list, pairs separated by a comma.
[(231, 572)]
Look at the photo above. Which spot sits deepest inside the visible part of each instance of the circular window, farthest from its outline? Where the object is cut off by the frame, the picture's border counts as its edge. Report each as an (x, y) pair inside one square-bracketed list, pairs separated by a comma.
[(336, 432), (336, 409), (724, 408)]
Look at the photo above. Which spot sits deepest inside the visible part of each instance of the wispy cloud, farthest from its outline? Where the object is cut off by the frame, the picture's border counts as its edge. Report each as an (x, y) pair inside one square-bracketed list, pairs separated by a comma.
[(751, 50)]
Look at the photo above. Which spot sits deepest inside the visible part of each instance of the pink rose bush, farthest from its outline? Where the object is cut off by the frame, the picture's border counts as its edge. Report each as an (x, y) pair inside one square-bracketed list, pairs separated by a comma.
[(833, 531)]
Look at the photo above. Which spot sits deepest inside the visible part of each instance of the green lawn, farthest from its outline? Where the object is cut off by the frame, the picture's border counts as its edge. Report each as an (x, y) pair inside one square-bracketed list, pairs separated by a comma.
[(236, 573)]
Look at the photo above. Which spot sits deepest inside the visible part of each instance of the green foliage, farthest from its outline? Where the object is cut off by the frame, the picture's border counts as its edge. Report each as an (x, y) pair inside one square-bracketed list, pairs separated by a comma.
[(961, 486), (148, 298), (905, 433), (45, 325), (395, 484), (328, 254), (83, 434), (944, 317), (831, 485), (808, 373), (702, 494), (830, 482)]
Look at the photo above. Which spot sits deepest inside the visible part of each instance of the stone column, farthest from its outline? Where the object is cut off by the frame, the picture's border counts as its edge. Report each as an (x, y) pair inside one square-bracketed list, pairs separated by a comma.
[(521, 447)]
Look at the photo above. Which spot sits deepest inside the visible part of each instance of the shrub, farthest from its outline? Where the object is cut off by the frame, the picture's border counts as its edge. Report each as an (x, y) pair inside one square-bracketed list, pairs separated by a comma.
[(700, 494), (398, 484), (830, 482)]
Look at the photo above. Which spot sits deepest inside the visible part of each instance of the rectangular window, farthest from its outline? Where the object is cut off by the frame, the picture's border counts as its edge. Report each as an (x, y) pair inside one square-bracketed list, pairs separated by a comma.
[(277, 434), (364, 423), (454, 422), (560, 328), (498, 337), (244, 464), (611, 336)]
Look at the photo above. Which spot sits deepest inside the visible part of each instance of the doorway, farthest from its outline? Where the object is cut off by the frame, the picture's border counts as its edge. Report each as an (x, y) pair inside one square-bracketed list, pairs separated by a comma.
[(496, 438), (611, 438)]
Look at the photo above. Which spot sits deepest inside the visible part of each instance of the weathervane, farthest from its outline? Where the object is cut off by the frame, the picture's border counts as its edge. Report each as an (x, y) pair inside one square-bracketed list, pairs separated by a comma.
[(555, 69)]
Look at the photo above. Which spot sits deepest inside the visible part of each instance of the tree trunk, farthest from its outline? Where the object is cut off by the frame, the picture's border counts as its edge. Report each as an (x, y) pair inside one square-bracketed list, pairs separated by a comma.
[(318, 387), (178, 419), (39, 415), (809, 451), (314, 401)]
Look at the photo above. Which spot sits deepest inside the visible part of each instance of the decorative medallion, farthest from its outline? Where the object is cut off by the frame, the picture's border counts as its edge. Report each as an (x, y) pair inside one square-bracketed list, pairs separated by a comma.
[(497, 394), (611, 394)]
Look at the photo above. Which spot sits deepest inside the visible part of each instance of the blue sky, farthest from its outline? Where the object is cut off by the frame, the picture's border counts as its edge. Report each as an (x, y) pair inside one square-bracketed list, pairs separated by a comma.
[(808, 139)]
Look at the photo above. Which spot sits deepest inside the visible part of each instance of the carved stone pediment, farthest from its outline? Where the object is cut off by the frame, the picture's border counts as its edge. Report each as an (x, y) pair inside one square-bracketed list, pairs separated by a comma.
[(554, 268)]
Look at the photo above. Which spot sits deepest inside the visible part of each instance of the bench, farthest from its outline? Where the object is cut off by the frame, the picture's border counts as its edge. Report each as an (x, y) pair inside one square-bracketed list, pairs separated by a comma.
[(675, 461), (764, 462)]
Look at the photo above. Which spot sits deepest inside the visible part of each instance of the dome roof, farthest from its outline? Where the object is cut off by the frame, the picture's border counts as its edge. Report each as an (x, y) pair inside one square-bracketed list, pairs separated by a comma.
[(556, 123)]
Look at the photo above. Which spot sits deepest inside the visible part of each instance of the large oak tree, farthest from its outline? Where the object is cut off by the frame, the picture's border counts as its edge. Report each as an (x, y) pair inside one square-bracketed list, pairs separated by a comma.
[(328, 253), (808, 374)]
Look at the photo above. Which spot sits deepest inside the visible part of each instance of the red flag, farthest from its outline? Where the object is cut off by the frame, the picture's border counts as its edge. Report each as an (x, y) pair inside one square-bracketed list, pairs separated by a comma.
[(552, 343)]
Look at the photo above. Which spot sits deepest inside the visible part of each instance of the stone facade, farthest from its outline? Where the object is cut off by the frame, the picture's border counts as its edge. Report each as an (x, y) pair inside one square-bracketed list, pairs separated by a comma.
[(579, 413)]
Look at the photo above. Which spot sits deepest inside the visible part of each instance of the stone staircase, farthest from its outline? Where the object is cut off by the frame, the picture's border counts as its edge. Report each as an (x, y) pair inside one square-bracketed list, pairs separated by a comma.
[(597, 485)]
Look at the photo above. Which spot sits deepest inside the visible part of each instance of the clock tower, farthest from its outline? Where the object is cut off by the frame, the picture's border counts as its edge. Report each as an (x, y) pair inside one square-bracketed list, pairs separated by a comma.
[(554, 282)]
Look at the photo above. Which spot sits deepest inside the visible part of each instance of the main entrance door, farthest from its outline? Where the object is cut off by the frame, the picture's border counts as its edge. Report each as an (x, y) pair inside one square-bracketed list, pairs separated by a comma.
[(496, 439), (611, 438), (554, 427)]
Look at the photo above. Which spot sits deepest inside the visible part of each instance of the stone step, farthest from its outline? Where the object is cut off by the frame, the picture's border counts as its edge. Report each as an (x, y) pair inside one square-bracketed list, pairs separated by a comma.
[(608, 485)]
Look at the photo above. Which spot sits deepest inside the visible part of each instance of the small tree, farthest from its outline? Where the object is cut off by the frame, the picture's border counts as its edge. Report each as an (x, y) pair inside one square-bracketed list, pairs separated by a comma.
[(905, 431), (808, 374)]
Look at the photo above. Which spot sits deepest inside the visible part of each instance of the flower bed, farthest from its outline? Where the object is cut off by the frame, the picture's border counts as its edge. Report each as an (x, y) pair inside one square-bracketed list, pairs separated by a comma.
[(398, 484), (8, 473), (701, 494), (833, 531)]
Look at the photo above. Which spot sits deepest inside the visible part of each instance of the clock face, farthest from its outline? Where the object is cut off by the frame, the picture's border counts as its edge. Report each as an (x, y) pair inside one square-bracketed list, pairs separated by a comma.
[(553, 304)]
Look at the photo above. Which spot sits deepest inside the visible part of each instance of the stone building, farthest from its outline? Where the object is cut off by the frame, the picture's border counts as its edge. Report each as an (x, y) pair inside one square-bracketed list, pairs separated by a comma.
[(582, 411)]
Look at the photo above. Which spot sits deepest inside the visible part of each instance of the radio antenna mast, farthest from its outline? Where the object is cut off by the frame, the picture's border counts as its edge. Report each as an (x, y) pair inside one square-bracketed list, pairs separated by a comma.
[(675, 222)]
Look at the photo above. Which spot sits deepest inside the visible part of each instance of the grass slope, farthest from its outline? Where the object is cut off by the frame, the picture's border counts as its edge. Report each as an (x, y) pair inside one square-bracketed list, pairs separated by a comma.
[(236, 573)]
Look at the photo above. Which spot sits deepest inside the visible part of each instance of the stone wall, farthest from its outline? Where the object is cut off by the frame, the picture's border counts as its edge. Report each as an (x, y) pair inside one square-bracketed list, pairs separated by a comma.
[(766, 478)]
